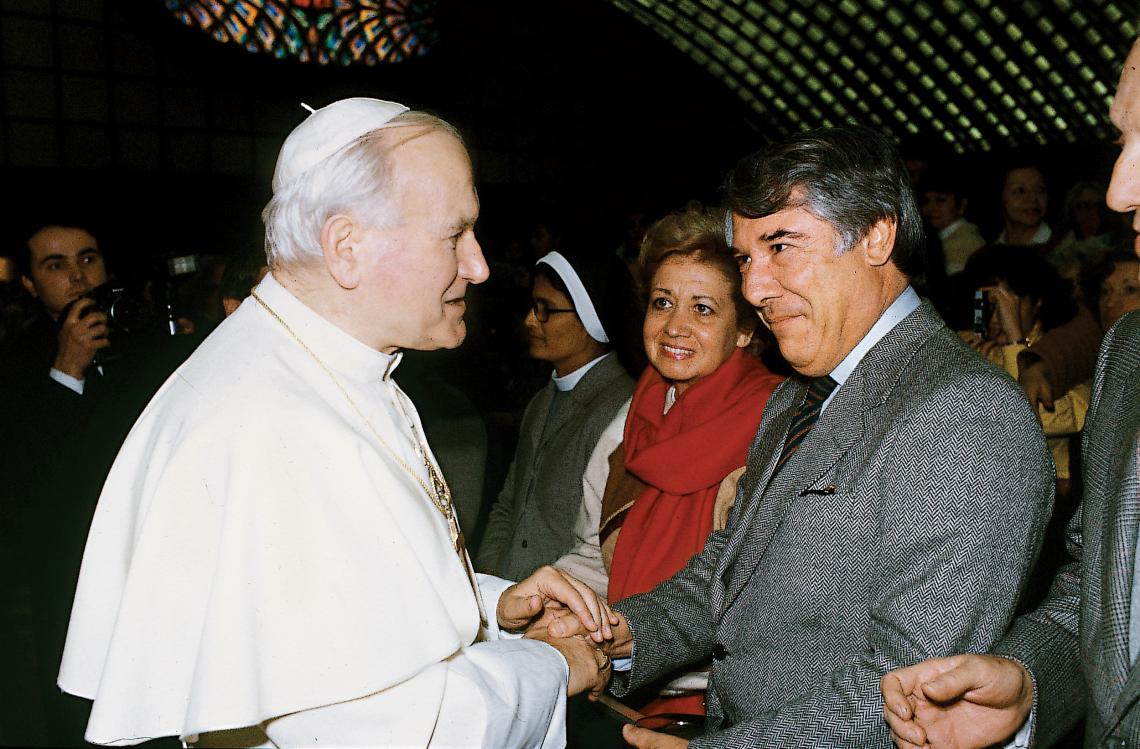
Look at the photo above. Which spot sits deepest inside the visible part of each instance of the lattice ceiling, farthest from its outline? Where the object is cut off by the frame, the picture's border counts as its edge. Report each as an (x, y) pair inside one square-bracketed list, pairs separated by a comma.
[(978, 74)]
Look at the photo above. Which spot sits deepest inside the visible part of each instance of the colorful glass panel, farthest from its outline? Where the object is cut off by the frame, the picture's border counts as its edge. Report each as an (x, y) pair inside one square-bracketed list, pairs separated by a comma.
[(339, 32)]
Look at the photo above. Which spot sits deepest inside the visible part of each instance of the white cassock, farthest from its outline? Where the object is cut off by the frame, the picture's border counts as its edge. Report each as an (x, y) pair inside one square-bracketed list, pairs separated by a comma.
[(256, 553)]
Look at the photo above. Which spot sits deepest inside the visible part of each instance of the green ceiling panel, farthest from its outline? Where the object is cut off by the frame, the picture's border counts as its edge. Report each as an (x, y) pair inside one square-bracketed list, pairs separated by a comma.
[(976, 73)]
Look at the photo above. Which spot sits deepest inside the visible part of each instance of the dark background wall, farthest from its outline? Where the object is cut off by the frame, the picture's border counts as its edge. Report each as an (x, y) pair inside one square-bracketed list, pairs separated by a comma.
[(568, 105), (171, 137)]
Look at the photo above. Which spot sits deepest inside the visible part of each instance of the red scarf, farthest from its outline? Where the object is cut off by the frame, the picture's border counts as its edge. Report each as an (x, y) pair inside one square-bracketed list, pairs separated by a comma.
[(683, 456)]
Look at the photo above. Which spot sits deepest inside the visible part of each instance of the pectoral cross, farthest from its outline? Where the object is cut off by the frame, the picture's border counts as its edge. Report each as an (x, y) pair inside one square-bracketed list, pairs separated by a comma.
[(443, 492)]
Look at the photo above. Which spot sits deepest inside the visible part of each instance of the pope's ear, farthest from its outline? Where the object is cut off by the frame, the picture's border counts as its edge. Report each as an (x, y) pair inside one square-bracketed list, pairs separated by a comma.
[(338, 247), (879, 242)]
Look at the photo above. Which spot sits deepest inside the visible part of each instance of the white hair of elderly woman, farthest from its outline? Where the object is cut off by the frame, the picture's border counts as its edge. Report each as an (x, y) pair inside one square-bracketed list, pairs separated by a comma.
[(356, 180)]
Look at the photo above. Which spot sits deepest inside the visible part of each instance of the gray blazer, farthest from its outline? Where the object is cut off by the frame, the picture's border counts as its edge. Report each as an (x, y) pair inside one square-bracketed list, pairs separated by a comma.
[(902, 528), (1076, 642), (532, 521)]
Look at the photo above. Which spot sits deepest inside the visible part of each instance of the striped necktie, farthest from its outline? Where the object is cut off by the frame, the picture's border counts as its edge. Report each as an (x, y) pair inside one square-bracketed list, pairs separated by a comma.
[(806, 416)]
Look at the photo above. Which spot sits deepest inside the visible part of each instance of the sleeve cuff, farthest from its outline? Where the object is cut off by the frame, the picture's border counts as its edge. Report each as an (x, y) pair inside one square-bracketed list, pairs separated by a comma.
[(1021, 738), (69, 382), (491, 589)]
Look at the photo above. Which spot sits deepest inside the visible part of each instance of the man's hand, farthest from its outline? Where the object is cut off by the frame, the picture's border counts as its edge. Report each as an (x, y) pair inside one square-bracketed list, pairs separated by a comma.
[(80, 337), (590, 667), (550, 593), (643, 738), (961, 702), (1034, 379), (618, 645)]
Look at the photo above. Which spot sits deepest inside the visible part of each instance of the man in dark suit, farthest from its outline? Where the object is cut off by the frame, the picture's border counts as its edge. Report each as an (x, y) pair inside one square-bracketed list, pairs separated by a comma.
[(1075, 656), (70, 406), (49, 375), (918, 498)]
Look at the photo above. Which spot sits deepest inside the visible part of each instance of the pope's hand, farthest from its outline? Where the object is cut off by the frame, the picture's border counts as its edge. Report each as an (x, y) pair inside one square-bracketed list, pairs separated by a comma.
[(961, 702), (590, 667), (548, 593), (643, 738)]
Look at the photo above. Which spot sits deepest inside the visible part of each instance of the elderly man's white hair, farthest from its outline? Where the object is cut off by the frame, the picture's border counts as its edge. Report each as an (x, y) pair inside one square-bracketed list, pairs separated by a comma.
[(355, 179)]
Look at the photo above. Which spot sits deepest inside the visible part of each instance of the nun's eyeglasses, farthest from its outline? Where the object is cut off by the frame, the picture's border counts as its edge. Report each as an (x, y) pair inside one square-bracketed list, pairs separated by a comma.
[(543, 311)]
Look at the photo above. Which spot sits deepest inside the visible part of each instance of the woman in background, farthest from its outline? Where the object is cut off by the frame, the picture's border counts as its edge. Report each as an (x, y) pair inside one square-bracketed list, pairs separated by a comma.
[(1027, 298), (693, 415), (578, 312), (1024, 201), (1115, 287)]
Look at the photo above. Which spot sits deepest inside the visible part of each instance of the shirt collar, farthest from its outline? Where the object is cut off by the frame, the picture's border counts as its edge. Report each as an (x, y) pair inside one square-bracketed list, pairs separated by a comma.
[(570, 381), (953, 227), (336, 349), (1041, 236), (902, 306)]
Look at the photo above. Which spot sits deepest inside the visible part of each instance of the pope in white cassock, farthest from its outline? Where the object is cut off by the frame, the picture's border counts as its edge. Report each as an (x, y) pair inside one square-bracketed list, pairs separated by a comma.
[(274, 557)]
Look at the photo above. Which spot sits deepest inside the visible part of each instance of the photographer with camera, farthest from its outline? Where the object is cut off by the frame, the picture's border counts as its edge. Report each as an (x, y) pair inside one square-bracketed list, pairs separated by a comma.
[(63, 266), (50, 374), (74, 381)]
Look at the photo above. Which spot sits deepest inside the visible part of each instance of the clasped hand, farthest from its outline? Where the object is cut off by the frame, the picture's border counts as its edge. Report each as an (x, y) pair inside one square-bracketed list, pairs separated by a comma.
[(543, 599)]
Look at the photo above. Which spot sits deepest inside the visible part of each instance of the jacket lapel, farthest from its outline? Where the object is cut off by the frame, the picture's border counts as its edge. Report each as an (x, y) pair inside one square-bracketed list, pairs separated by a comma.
[(835, 434), (807, 470), (1119, 678), (541, 433), (572, 401)]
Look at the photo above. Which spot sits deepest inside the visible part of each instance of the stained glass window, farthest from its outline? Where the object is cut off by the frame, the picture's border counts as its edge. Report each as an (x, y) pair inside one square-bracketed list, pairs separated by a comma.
[(340, 32)]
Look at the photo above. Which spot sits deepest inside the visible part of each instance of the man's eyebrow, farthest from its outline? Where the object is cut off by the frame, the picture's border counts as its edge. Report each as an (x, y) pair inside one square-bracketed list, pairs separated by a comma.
[(461, 224), (90, 251), (781, 234), (50, 258)]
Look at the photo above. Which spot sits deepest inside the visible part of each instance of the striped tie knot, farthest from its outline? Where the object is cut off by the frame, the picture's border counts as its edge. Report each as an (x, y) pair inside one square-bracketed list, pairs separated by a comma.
[(807, 415)]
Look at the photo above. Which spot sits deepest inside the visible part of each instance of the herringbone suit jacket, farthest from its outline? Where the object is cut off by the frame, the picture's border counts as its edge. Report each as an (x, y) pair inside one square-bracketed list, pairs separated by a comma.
[(902, 528), (1076, 642)]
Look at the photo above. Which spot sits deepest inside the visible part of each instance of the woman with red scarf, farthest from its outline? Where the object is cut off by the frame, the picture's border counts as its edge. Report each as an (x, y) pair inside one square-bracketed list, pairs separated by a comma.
[(694, 413)]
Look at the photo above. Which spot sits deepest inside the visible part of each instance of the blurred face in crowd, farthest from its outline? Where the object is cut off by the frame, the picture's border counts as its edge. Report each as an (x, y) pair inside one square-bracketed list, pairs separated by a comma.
[(415, 274), (690, 324), (942, 208), (561, 340), (65, 263), (817, 304), (1086, 212), (1025, 308), (1124, 190), (1024, 198), (1119, 293)]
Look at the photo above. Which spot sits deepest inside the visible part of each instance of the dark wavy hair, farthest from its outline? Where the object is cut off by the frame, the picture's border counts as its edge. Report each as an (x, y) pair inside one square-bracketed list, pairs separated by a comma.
[(850, 177)]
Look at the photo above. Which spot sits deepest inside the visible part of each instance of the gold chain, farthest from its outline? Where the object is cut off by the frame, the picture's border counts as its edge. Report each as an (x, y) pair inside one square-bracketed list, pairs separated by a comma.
[(439, 493)]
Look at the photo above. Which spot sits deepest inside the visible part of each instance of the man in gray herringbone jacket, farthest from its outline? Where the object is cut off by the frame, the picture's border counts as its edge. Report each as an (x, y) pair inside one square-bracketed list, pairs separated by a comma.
[(1076, 655), (900, 527)]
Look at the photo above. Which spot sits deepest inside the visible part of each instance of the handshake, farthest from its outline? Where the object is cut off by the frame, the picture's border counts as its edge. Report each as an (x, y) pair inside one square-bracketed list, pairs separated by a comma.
[(560, 610)]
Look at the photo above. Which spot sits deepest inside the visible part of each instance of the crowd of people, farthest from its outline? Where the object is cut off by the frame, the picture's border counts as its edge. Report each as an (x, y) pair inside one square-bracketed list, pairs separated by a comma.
[(799, 509)]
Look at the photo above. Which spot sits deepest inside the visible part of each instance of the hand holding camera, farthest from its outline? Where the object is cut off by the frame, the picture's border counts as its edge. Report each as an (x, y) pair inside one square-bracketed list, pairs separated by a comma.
[(83, 333)]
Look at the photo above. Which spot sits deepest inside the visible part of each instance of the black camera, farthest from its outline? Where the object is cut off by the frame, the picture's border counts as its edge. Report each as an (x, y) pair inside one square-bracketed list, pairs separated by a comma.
[(126, 312)]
